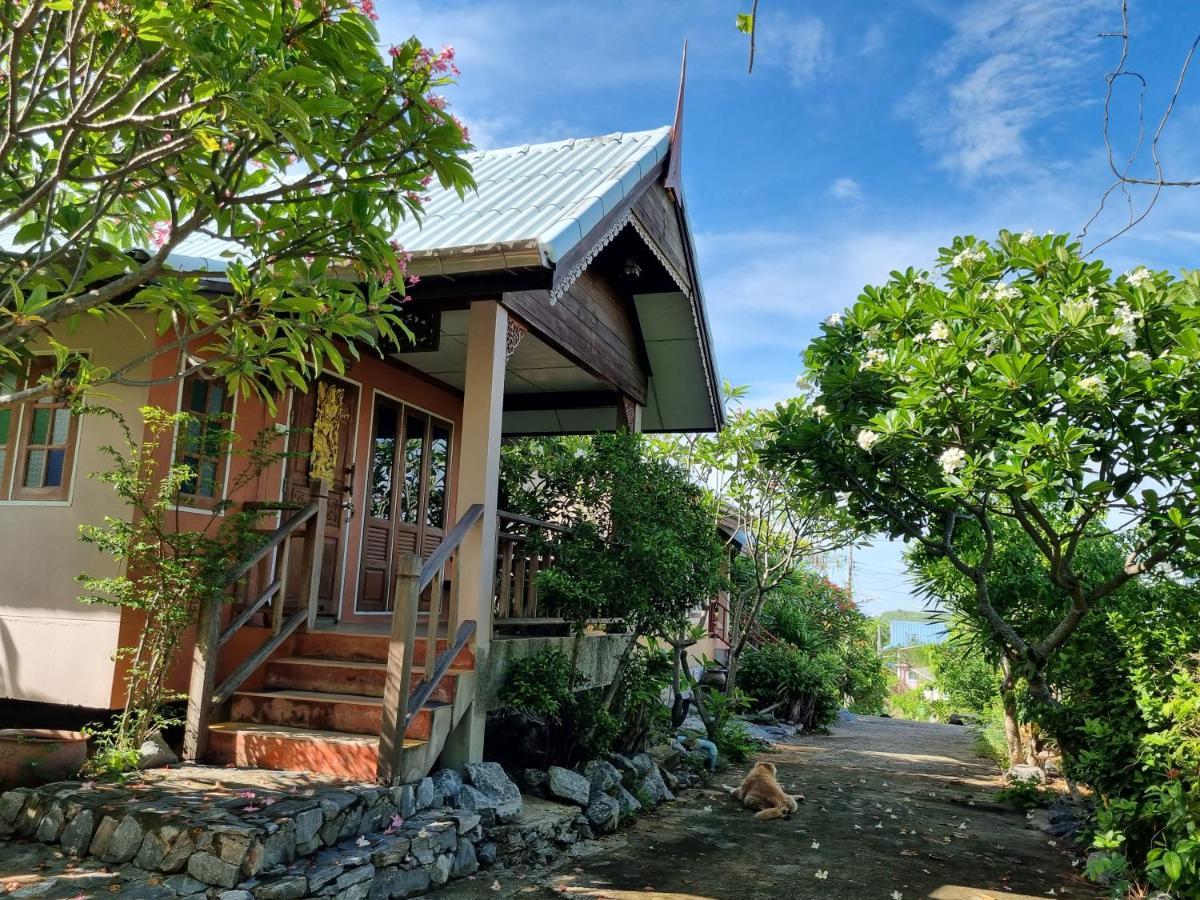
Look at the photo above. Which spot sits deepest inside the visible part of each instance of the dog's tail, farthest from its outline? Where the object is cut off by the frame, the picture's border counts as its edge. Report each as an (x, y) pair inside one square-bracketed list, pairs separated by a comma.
[(773, 813)]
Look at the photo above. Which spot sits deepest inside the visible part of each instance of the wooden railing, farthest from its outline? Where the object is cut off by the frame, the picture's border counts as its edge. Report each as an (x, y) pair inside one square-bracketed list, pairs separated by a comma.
[(400, 700), (518, 562), (276, 553)]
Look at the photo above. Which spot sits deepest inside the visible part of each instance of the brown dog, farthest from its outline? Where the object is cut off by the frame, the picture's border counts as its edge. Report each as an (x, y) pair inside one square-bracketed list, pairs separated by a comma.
[(760, 791)]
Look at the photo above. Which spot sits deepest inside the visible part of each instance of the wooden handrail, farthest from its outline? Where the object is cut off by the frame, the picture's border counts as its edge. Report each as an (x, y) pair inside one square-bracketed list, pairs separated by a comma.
[(278, 536), (246, 614), (505, 516), (432, 679), (256, 659), (449, 544)]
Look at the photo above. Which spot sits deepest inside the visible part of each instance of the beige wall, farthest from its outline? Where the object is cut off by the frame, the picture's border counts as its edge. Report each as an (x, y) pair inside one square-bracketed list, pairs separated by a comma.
[(52, 647)]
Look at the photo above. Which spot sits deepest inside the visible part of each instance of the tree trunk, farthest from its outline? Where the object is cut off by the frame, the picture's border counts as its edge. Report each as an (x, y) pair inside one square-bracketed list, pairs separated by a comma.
[(615, 685), (735, 652), (1012, 729)]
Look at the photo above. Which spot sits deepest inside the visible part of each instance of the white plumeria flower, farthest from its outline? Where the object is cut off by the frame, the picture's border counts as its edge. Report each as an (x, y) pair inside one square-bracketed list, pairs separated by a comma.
[(362, 841), (875, 357), (966, 255), (833, 320), (820, 411), (1004, 291), (1137, 276), (952, 459), (879, 826), (1139, 359), (939, 332), (816, 845), (1092, 384), (821, 874), (1026, 237), (866, 439), (896, 895), (1125, 324)]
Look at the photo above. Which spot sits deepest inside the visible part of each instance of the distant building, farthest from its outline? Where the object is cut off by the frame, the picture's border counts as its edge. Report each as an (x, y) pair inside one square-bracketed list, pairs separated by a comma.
[(912, 634)]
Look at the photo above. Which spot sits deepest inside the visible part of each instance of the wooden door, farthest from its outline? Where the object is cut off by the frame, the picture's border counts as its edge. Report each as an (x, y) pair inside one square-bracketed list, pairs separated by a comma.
[(406, 498), (321, 446)]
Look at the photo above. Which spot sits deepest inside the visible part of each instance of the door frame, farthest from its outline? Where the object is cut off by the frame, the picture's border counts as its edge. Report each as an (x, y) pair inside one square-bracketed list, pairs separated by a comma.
[(339, 586), (366, 488)]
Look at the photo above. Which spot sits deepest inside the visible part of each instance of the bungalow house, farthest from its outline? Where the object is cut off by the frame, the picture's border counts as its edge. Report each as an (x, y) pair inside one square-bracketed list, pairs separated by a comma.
[(560, 297)]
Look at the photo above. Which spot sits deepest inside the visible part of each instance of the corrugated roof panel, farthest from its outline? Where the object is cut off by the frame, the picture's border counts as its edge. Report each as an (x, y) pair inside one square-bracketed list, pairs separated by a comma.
[(551, 194)]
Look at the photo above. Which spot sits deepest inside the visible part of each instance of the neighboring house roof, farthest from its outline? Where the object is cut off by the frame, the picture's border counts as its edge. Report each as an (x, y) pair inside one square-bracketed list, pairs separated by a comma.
[(911, 634), (533, 204)]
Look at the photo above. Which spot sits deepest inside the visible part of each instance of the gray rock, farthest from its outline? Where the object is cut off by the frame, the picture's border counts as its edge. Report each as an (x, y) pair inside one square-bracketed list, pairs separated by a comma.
[(404, 797), (1025, 772), (570, 786), (37, 889), (293, 887), (673, 781), (490, 779), (627, 770), (655, 789), (235, 895), (125, 841), (354, 876), (603, 814), (602, 774), (52, 824), (439, 872), (147, 891), (210, 869), (668, 755), (465, 861), (185, 885), (401, 883), (643, 764), (308, 823), (102, 836), (321, 875), (629, 804), (427, 795), (11, 803), (486, 853), (464, 820), (448, 783), (154, 753)]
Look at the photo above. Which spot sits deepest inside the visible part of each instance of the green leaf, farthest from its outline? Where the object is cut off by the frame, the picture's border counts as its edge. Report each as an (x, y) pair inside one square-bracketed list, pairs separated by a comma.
[(745, 23)]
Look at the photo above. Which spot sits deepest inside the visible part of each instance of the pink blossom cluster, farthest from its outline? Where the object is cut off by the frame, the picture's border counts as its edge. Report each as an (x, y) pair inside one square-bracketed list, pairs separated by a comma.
[(367, 8), (403, 258), (160, 233), (440, 63)]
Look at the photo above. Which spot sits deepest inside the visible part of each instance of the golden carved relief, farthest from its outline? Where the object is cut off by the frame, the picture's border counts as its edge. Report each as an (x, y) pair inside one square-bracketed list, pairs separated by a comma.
[(327, 430)]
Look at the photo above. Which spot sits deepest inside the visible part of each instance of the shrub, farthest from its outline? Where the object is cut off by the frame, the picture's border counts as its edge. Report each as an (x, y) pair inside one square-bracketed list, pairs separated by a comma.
[(808, 684), (539, 683)]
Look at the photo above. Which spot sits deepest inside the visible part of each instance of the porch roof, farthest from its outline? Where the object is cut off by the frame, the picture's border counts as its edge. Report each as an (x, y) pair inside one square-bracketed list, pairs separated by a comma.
[(532, 204)]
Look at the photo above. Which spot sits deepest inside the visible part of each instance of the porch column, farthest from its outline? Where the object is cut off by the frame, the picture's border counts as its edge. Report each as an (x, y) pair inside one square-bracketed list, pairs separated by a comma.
[(478, 482), (629, 414)]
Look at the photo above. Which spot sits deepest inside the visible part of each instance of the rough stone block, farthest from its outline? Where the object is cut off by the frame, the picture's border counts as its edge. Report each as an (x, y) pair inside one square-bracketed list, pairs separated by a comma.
[(210, 869), (448, 783), (428, 796), (570, 786), (292, 887), (490, 779), (465, 860)]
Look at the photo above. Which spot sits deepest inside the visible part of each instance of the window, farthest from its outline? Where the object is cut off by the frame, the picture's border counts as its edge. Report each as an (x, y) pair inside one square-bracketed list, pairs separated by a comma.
[(201, 442), (8, 431), (37, 441)]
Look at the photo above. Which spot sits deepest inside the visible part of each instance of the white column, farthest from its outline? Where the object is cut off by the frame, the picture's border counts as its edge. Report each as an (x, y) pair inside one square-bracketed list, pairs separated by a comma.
[(478, 482)]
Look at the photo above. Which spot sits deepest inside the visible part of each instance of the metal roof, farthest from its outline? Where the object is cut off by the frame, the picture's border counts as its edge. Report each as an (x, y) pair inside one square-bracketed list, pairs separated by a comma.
[(540, 197)]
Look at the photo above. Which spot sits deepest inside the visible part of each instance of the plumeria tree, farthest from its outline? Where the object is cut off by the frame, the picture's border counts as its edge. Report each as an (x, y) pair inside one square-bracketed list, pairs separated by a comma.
[(274, 134), (766, 514), (1025, 385)]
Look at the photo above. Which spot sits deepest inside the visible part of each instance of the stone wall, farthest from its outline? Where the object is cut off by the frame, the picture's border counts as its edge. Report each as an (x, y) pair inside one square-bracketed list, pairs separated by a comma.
[(200, 832)]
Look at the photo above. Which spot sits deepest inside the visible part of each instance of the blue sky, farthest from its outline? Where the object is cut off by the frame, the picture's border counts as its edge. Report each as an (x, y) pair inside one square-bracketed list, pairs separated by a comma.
[(868, 135)]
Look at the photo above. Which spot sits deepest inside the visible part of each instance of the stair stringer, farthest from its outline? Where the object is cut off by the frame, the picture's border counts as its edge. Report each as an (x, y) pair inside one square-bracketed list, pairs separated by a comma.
[(417, 763)]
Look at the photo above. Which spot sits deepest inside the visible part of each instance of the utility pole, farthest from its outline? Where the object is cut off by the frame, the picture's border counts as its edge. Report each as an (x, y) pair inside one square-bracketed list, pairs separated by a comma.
[(850, 572)]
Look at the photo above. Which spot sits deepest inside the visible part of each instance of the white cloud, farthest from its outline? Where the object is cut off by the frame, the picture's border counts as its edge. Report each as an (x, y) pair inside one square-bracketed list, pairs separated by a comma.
[(800, 46), (1006, 68), (846, 189)]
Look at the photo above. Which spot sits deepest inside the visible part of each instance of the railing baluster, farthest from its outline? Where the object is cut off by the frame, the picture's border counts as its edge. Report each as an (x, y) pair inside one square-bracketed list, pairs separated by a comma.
[(535, 565), (399, 669), (314, 547), (283, 560), (435, 613), (506, 563), (204, 675), (522, 591)]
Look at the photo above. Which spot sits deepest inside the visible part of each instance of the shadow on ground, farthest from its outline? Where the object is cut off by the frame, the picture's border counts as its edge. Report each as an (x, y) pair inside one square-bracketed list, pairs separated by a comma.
[(892, 807)]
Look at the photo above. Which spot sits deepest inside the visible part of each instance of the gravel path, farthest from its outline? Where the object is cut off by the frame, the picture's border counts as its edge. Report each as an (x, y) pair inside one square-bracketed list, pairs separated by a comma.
[(892, 807)]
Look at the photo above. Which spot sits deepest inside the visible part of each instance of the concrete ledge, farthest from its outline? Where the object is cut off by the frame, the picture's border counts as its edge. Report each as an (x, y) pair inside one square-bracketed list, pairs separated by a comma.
[(596, 663)]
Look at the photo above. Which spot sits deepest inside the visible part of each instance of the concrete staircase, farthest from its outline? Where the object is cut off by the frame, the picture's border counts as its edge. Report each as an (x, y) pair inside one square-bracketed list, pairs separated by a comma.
[(320, 708)]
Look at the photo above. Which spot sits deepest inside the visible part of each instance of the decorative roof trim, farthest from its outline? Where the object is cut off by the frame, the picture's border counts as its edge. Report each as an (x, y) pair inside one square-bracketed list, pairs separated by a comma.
[(562, 285), (652, 245)]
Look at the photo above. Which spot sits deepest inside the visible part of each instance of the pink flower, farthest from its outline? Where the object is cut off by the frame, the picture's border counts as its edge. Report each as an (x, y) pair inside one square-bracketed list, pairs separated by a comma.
[(393, 51), (437, 101), (160, 233), (413, 280), (367, 8), (427, 180), (247, 795)]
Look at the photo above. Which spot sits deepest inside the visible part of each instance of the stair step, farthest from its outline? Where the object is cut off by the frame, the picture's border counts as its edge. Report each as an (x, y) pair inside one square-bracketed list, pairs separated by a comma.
[(283, 748), (322, 710), (340, 676), (358, 647)]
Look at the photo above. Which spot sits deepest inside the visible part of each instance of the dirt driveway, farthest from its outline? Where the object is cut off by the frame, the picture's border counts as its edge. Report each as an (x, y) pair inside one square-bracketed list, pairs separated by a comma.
[(893, 809)]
